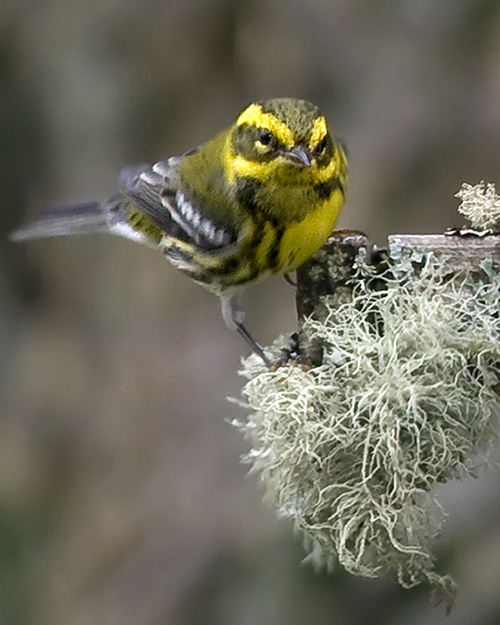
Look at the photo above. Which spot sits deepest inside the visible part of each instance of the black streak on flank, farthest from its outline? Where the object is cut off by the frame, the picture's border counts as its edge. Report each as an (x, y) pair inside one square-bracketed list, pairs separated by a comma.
[(206, 275), (227, 266), (273, 253), (246, 193)]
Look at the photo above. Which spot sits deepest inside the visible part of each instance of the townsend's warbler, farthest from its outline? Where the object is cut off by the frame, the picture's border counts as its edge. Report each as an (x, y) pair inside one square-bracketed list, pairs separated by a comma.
[(260, 198)]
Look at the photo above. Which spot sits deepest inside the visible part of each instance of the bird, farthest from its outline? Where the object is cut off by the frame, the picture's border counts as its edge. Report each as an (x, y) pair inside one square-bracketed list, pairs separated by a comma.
[(256, 200)]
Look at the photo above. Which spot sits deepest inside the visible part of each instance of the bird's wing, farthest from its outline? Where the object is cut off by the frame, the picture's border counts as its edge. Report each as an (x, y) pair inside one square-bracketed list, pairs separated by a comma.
[(157, 193)]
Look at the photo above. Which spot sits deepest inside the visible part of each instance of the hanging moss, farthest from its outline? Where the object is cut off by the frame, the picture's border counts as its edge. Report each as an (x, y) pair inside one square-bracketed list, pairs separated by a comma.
[(406, 398)]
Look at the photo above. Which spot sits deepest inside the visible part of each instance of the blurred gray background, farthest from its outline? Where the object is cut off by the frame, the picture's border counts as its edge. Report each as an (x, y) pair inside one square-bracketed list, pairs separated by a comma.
[(122, 499)]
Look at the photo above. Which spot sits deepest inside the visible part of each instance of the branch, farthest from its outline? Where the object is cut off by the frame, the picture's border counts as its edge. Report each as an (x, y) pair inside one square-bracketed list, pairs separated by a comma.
[(330, 272)]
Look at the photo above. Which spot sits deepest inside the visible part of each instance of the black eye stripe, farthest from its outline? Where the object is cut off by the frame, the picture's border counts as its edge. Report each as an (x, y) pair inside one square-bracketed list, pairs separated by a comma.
[(247, 143), (322, 144)]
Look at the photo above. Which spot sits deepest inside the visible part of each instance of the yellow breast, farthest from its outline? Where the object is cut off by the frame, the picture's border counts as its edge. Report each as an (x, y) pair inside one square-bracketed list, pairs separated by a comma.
[(303, 238)]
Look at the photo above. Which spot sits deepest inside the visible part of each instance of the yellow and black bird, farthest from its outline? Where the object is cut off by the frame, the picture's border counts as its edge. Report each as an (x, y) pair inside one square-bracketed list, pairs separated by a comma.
[(258, 199)]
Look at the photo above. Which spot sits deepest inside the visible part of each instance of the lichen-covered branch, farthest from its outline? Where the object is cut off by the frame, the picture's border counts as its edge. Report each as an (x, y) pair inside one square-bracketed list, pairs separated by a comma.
[(400, 394), (330, 272)]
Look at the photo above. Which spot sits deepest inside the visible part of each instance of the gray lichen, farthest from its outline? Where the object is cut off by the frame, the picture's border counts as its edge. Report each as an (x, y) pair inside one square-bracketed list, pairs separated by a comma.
[(480, 205), (406, 398)]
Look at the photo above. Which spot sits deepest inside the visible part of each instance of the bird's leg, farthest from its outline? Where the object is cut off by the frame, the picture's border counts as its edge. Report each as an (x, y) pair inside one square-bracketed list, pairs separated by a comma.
[(233, 318)]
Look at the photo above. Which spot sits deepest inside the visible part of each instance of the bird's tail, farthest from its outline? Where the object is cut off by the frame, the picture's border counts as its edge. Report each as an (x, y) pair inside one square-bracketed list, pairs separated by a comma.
[(79, 218)]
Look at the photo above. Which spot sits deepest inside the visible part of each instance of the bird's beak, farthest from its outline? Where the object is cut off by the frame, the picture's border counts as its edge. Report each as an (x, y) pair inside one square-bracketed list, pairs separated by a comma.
[(299, 155)]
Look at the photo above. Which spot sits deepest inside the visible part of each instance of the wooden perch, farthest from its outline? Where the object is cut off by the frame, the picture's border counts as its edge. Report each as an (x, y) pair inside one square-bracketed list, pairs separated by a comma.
[(463, 252), (330, 270)]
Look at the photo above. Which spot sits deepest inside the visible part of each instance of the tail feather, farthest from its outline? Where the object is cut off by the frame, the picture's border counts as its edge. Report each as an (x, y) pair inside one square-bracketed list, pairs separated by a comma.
[(85, 217)]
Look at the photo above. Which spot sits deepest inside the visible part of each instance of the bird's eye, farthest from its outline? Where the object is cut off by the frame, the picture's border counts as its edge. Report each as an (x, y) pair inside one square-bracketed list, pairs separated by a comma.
[(265, 136)]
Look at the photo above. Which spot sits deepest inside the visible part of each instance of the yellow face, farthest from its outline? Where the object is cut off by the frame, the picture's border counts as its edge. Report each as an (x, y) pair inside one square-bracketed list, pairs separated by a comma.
[(290, 143)]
